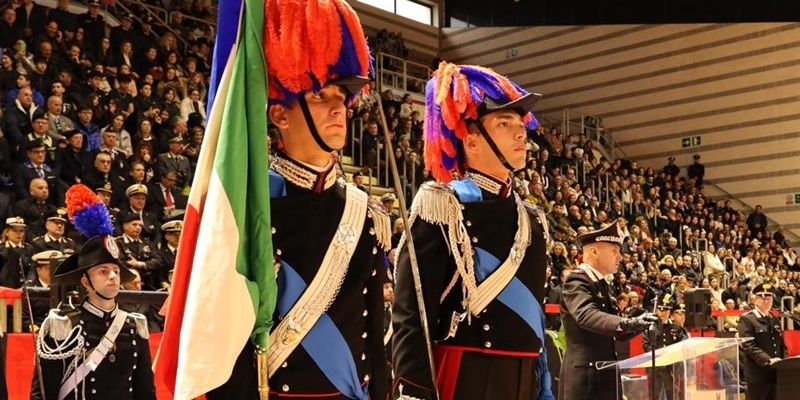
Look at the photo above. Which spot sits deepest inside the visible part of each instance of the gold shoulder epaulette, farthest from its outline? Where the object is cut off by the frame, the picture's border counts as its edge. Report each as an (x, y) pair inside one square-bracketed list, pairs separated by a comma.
[(141, 325), (436, 203), (382, 224)]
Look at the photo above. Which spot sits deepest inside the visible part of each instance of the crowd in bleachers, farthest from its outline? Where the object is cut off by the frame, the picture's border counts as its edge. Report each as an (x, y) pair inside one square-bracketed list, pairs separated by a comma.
[(121, 110)]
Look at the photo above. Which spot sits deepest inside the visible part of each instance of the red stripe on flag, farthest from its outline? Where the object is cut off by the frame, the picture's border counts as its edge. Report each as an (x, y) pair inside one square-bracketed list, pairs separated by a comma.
[(175, 306)]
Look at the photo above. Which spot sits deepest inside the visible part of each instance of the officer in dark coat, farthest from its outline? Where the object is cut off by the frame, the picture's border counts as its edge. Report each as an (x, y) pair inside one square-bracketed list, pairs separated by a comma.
[(93, 24), (766, 349), (35, 208), (591, 323), (40, 308), (168, 249), (138, 253), (697, 171), (121, 370), (13, 252), (664, 333), (313, 213), (480, 251), (137, 199), (54, 239)]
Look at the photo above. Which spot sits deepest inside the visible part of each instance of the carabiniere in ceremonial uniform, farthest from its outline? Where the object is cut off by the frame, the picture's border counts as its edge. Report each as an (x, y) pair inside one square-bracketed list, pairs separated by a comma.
[(481, 255), (329, 244), (89, 352)]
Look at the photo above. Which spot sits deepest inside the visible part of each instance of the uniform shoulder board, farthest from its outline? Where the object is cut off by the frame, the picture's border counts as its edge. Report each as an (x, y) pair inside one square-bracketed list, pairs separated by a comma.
[(382, 224), (59, 322), (747, 313), (141, 325), (436, 203)]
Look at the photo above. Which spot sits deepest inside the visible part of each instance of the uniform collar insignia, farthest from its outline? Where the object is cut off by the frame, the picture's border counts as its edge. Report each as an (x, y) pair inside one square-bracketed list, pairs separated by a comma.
[(302, 175), (489, 183), (98, 312)]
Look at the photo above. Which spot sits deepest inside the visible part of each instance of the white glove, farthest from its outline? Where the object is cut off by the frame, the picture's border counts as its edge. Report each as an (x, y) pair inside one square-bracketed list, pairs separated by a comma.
[(773, 360)]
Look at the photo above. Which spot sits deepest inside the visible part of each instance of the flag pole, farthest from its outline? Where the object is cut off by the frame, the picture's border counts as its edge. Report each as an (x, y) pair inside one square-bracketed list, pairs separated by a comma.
[(263, 375), (412, 254)]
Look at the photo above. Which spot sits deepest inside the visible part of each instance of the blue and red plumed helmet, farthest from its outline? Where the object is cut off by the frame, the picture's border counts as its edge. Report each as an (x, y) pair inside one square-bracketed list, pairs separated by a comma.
[(457, 94)]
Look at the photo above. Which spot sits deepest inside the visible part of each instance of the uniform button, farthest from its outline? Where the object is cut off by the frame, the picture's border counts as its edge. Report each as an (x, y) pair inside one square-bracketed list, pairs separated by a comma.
[(366, 378), (133, 342), (130, 390), (91, 380), (364, 291), (135, 354), (363, 356), (486, 327), (129, 378), (468, 223), (128, 320), (365, 313), (81, 321), (285, 364), (591, 364), (274, 230), (374, 272), (374, 250), (474, 240), (487, 344), (278, 252), (94, 391), (285, 388), (364, 335), (372, 231)]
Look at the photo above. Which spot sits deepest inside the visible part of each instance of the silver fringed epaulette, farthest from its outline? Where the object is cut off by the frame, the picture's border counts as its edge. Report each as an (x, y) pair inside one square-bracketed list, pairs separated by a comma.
[(57, 325), (436, 203), (141, 325), (382, 224)]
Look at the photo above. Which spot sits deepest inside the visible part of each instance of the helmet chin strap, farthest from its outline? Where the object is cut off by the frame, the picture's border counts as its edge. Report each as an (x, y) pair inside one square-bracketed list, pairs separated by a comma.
[(313, 127), (493, 145), (86, 274)]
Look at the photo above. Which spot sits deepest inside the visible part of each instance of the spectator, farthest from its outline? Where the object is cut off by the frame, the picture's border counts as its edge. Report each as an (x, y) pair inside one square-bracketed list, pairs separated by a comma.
[(30, 19), (72, 160), (93, 23), (193, 105), (10, 32), (35, 207), (173, 160)]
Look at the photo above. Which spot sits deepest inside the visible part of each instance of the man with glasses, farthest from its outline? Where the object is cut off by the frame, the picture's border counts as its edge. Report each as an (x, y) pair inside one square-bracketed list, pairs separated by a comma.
[(766, 349)]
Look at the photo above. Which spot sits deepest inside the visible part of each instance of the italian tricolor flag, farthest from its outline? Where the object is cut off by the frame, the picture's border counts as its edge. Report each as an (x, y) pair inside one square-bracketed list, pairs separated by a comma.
[(224, 288)]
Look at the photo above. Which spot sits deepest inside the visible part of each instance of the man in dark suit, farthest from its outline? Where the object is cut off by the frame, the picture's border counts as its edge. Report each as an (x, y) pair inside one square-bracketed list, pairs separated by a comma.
[(591, 323), (34, 168), (73, 162), (101, 174), (766, 349), (35, 208), (31, 18), (164, 199)]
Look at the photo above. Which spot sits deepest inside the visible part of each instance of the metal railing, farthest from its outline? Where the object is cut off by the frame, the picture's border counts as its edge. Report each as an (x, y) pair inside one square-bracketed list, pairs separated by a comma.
[(398, 74)]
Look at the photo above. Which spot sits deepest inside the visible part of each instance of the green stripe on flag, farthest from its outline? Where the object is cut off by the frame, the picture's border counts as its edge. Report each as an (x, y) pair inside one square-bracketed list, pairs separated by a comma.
[(241, 164)]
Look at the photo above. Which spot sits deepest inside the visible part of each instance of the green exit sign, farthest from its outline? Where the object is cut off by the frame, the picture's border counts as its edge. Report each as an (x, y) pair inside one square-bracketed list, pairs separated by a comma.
[(797, 198), (691, 141)]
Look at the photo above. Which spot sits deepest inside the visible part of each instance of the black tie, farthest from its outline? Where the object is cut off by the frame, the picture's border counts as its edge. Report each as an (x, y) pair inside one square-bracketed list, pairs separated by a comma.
[(196, 107)]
